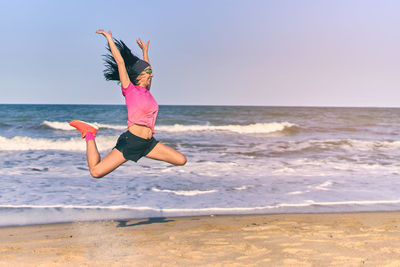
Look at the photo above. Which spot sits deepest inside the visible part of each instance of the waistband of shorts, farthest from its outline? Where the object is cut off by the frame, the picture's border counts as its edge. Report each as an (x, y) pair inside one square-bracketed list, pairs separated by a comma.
[(138, 137)]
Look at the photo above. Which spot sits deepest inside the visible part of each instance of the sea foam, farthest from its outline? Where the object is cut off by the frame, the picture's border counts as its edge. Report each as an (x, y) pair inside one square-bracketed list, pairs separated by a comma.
[(20, 143), (184, 193), (335, 144), (64, 126), (31, 214), (242, 129)]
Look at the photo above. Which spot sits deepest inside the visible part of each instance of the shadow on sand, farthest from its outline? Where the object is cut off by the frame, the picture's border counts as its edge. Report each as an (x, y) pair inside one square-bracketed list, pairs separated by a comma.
[(123, 223)]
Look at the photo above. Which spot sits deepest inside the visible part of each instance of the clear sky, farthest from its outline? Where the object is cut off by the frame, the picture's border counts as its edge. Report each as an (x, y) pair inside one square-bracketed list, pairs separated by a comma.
[(208, 52)]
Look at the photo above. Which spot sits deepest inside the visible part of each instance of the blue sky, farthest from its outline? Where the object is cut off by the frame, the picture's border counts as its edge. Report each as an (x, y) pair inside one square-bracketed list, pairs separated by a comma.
[(209, 52)]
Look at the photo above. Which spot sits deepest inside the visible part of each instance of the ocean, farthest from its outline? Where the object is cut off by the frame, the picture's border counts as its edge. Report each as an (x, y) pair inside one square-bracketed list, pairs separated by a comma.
[(241, 160)]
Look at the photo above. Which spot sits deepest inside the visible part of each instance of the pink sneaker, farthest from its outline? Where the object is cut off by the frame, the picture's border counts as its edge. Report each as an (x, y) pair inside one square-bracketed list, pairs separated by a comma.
[(84, 127)]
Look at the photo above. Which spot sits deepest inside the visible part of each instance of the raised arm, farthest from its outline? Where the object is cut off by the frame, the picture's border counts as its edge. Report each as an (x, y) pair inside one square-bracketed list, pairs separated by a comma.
[(123, 74), (145, 49)]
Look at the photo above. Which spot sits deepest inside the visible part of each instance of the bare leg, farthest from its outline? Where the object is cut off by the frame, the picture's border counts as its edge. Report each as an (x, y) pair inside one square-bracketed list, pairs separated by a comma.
[(92, 154), (98, 168), (167, 154)]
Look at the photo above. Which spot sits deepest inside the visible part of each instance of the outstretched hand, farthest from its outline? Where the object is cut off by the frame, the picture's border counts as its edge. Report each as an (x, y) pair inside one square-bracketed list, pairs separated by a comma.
[(143, 46), (106, 34)]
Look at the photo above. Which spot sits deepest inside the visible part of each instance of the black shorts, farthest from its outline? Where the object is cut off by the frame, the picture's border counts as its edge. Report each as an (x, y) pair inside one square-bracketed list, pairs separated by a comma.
[(134, 147)]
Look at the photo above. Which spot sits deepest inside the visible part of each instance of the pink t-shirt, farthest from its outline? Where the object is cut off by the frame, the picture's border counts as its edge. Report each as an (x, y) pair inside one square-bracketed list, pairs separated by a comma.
[(141, 106)]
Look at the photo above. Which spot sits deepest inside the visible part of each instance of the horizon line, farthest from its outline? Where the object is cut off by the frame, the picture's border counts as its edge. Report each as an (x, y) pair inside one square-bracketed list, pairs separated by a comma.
[(212, 105)]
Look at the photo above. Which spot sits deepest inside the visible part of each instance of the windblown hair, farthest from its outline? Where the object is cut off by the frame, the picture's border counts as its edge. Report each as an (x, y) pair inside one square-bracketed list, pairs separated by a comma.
[(111, 71)]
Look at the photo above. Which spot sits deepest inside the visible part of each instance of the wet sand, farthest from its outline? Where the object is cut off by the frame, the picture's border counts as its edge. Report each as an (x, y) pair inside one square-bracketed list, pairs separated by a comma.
[(335, 239)]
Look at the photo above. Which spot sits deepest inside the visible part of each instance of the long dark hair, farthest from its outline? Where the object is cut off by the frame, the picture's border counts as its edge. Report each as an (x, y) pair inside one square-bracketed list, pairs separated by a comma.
[(111, 72)]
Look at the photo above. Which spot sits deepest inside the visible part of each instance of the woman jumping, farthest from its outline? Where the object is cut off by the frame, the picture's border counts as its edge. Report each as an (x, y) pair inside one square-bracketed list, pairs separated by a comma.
[(135, 76)]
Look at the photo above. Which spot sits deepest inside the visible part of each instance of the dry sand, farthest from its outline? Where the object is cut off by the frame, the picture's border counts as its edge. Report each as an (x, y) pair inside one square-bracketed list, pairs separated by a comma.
[(341, 239)]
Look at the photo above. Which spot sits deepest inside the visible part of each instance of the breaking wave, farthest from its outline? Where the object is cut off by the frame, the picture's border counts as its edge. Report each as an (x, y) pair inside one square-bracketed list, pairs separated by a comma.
[(243, 129), (272, 127), (107, 142), (20, 143), (64, 126)]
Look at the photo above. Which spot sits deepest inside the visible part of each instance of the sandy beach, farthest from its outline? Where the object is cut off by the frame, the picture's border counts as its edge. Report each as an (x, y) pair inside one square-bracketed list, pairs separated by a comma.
[(334, 239)]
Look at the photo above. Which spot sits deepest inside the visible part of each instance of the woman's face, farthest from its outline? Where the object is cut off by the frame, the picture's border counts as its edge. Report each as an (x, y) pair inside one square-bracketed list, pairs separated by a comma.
[(144, 78)]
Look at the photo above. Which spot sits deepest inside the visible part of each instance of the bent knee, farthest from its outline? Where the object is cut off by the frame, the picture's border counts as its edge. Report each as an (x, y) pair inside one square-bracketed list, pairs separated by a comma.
[(181, 161), (95, 173)]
